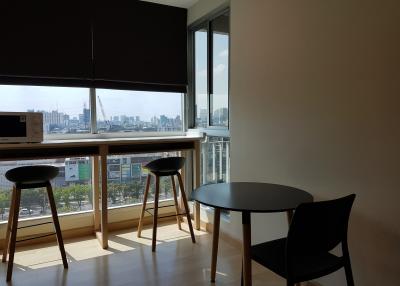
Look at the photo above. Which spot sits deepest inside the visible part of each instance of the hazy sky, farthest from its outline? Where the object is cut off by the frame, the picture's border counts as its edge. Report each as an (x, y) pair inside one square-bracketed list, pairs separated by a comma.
[(220, 69)]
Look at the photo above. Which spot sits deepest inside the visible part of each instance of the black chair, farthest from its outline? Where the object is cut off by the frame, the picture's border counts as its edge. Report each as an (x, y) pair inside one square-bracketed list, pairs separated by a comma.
[(316, 229), (28, 177), (169, 166)]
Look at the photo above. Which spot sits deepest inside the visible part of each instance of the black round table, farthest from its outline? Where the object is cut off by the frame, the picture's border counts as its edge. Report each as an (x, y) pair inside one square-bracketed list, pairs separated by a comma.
[(247, 197)]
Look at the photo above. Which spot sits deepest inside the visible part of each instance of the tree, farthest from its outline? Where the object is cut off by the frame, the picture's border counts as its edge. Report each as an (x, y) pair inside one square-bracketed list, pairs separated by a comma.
[(114, 192), (4, 201), (79, 193), (29, 198)]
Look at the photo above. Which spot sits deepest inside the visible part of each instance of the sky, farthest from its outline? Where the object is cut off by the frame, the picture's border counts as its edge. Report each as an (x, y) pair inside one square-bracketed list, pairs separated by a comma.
[(220, 69)]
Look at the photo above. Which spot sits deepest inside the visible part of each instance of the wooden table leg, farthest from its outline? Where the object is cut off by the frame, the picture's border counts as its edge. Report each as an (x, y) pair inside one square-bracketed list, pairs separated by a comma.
[(104, 215), (96, 192), (196, 168), (246, 248), (214, 255)]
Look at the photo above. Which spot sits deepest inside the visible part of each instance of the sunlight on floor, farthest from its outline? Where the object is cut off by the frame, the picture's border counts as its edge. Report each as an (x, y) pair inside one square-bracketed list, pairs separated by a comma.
[(78, 249), (130, 261)]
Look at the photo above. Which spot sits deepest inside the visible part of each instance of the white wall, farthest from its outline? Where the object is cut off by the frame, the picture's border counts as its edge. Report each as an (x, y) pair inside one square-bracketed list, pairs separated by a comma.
[(203, 7), (315, 99)]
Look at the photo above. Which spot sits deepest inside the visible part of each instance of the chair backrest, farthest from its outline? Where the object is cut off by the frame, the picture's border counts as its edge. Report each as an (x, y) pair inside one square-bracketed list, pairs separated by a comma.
[(319, 227)]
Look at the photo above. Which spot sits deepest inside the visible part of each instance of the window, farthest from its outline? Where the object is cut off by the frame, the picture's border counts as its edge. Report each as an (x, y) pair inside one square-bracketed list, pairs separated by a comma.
[(65, 110), (210, 47), (215, 160), (209, 87), (200, 62), (138, 111), (127, 179), (72, 188), (68, 110)]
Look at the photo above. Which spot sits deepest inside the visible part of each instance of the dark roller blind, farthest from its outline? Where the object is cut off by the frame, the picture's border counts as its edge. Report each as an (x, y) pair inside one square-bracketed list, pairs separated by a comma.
[(140, 45), (45, 42)]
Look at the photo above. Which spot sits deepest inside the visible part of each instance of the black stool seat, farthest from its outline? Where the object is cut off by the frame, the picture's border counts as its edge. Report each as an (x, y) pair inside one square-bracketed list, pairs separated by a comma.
[(32, 174), (166, 166)]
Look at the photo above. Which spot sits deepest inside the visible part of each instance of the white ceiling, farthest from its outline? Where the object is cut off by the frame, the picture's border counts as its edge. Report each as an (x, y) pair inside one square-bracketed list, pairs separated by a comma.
[(176, 3)]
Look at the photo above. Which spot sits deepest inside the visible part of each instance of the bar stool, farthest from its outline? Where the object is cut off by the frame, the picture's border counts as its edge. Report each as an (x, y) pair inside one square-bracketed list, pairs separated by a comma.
[(26, 178), (159, 168)]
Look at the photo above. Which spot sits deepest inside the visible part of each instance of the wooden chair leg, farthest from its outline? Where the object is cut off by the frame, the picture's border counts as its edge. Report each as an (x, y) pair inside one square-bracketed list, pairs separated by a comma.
[(56, 223), (9, 224), (146, 193), (178, 219), (14, 227), (185, 204), (155, 214)]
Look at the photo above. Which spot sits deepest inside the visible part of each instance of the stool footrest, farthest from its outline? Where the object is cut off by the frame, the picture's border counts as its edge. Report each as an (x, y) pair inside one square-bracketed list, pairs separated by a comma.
[(152, 214), (166, 206), (32, 225), (36, 237)]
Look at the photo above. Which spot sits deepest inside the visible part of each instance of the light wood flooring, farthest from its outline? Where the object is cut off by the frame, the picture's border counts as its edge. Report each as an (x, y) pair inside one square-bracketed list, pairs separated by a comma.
[(129, 261)]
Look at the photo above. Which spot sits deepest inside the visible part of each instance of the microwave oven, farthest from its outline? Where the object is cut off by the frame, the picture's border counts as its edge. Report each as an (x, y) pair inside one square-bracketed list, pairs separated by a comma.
[(21, 127)]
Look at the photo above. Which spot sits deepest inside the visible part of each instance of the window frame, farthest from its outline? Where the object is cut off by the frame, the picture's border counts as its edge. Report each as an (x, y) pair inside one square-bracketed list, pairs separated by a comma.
[(205, 22)]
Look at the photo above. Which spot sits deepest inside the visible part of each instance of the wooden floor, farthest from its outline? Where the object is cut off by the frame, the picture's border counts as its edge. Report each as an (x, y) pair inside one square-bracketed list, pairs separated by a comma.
[(129, 261)]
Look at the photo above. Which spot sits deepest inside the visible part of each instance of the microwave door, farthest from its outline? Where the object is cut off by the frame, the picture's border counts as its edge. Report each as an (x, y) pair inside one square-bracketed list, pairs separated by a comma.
[(13, 126)]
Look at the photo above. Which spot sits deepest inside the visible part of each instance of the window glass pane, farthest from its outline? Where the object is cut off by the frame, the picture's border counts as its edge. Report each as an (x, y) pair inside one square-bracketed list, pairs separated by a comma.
[(127, 179), (200, 61), (65, 109), (220, 58), (215, 160), (138, 111), (71, 188)]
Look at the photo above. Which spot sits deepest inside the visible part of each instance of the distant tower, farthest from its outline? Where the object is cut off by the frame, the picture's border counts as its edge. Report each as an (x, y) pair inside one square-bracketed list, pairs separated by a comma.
[(86, 116)]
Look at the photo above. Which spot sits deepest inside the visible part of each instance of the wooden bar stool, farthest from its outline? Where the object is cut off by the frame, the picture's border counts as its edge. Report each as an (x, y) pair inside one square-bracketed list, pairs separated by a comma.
[(26, 178), (159, 168)]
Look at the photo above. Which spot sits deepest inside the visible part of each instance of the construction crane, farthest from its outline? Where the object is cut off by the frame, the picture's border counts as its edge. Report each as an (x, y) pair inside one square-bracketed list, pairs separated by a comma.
[(104, 114)]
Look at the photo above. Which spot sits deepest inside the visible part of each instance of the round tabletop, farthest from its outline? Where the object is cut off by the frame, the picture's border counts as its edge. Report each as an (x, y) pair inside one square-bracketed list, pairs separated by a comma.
[(252, 197)]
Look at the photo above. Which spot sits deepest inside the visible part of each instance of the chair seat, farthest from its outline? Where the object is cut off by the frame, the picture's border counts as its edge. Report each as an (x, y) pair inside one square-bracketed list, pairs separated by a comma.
[(272, 254), (32, 174), (166, 166)]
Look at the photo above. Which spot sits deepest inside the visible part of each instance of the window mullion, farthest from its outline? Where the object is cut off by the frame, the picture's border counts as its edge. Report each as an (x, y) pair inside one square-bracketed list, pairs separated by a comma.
[(209, 71), (93, 119)]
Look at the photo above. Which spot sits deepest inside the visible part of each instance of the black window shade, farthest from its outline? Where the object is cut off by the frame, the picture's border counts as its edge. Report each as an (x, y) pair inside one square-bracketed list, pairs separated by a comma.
[(45, 42), (116, 44), (140, 44)]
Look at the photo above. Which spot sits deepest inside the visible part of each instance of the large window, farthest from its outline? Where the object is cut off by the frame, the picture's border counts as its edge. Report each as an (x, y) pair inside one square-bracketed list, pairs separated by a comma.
[(68, 110), (72, 188)]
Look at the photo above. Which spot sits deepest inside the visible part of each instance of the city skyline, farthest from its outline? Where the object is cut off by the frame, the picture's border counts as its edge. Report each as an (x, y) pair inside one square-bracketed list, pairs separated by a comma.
[(59, 122), (71, 101)]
